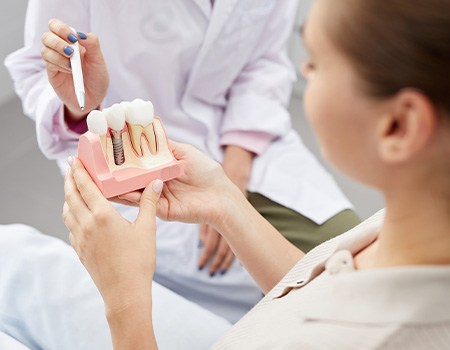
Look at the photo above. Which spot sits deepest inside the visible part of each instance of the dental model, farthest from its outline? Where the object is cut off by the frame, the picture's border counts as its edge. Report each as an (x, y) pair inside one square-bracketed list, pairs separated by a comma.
[(126, 156), (115, 116), (139, 117), (97, 124)]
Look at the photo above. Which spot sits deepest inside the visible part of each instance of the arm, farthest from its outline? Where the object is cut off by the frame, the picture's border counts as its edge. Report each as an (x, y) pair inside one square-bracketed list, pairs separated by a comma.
[(237, 165), (256, 107), (31, 75), (255, 116), (264, 252), (205, 195), (121, 256)]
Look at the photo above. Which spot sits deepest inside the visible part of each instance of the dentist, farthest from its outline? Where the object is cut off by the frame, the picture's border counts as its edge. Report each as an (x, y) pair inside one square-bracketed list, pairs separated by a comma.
[(219, 76)]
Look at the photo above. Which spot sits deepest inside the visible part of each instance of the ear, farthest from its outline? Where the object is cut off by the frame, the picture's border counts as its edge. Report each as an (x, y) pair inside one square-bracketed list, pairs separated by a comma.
[(407, 126)]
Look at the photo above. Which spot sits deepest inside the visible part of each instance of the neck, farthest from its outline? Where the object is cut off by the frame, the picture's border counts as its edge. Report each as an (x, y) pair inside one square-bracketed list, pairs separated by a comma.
[(416, 230)]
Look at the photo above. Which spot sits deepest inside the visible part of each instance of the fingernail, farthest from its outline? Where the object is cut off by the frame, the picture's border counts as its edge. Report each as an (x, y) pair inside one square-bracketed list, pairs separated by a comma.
[(157, 186), (70, 160), (212, 274), (72, 38), (82, 36), (68, 50), (200, 268), (200, 243), (223, 272)]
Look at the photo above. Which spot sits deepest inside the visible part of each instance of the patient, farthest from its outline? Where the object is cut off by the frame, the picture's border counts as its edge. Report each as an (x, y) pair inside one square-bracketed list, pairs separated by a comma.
[(381, 109)]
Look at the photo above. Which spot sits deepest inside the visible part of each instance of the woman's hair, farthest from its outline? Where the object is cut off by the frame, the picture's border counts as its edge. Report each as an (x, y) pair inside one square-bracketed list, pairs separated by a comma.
[(396, 44)]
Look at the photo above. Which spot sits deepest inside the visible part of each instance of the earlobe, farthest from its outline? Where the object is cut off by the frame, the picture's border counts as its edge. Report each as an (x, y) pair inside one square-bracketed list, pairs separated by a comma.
[(406, 128)]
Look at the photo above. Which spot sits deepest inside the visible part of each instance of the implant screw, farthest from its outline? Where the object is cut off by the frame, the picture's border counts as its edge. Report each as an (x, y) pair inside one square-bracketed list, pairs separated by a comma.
[(119, 155)]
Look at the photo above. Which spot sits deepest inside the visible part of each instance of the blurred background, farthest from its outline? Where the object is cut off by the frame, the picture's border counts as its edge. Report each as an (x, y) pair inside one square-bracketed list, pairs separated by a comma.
[(31, 187)]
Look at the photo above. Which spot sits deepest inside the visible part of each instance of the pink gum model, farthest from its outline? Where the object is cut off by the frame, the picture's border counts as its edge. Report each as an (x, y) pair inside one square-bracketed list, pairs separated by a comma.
[(121, 181)]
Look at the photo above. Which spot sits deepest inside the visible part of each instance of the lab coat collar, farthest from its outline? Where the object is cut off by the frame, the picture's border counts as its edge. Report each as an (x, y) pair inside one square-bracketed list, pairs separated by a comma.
[(205, 7), (221, 13)]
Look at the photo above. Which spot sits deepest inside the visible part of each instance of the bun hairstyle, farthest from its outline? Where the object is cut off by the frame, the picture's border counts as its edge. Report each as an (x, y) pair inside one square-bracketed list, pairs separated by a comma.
[(396, 44)]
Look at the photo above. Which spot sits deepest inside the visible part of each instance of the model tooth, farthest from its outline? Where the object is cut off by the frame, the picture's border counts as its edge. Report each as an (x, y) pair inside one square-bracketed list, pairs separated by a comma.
[(115, 116), (140, 116), (151, 138), (97, 124), (140, 112)]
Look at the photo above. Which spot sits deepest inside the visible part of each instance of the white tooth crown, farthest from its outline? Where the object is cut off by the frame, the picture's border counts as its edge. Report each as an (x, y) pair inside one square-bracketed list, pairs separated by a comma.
[(140, 112), (115, 116), (124, 105), (97, 123)]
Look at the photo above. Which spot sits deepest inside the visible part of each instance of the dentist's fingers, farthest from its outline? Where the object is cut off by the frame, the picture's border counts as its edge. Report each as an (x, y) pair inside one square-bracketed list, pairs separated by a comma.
[(89, 191), (202, 236), (227, 262), (52, 69), (62, 30), (57, 44), (210, 243), (220, 256), (55, 59)]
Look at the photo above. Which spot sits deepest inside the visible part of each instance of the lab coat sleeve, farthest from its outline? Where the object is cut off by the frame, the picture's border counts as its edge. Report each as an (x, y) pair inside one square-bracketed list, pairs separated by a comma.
[(259, 96), (29, 75)]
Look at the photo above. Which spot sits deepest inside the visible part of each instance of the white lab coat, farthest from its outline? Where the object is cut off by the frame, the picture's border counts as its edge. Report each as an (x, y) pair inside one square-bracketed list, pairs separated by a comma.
[(207, 73)]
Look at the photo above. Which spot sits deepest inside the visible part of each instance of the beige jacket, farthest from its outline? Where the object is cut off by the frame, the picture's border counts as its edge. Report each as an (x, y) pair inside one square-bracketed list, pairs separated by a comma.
[(323, 303)]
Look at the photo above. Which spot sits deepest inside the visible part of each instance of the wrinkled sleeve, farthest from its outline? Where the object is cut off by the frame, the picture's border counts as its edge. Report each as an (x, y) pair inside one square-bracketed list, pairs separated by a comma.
[(256, 112), (27, 69)]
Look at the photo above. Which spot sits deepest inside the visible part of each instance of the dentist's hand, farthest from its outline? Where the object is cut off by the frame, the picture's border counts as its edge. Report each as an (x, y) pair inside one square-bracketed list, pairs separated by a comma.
[(119, 255), (56, 54), (237, 165)]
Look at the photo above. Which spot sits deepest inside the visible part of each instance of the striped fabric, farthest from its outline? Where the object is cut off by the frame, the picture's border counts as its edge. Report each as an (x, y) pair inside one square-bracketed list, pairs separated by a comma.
[(314, 307)]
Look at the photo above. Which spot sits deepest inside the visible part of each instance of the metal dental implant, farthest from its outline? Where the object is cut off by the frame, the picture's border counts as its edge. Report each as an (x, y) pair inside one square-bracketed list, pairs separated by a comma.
[(115, 116)]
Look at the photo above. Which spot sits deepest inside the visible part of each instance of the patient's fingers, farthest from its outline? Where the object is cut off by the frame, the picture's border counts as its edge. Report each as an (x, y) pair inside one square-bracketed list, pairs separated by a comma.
[(73, 198), (89, 191), (70, 223), (131, 198)]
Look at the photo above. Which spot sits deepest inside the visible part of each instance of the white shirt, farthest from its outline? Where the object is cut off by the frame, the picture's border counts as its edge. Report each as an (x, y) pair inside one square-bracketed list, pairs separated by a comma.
[(208, 73)]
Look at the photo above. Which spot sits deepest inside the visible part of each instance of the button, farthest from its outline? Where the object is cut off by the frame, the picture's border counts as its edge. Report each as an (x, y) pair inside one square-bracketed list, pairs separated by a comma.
[(341, 261)]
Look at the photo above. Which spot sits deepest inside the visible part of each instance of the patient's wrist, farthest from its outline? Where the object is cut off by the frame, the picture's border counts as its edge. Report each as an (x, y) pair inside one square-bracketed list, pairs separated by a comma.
[(233, 202)]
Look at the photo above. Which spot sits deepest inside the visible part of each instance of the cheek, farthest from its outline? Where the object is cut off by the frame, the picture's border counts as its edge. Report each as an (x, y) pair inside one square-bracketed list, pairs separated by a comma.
[(334, 121), (320, 111)]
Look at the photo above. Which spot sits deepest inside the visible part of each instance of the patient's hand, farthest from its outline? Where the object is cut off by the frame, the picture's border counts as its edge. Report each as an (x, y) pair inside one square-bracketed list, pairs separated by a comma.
[(199, 196), (119, 255)]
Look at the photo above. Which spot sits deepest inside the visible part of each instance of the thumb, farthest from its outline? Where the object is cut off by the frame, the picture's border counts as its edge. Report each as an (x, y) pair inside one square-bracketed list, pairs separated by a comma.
[(149, 200)]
